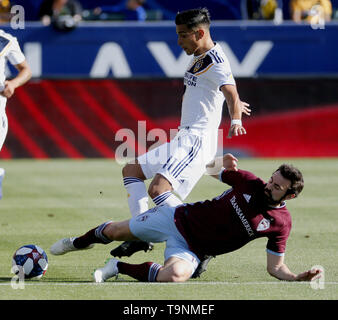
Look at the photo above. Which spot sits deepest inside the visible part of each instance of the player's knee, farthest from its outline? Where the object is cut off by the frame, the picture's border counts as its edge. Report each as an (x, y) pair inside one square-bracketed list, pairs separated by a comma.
[(179, 273), (114, 231)]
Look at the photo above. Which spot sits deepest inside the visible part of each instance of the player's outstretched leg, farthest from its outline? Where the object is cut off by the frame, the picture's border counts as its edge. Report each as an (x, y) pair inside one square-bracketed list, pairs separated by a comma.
[(145, 272), (160, 191), (83, 242), (106, 272), (104, 234), (66, 245), (174, 270)]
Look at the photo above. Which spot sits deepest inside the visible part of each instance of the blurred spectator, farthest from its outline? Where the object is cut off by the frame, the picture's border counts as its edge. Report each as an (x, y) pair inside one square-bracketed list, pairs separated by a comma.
[(5, 7), (311, 11), (62, 14), (263, 10), (272, 10), (126, 10)]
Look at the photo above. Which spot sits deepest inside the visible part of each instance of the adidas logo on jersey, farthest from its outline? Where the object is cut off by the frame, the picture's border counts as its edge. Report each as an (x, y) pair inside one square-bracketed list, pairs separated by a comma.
[(247, 197)]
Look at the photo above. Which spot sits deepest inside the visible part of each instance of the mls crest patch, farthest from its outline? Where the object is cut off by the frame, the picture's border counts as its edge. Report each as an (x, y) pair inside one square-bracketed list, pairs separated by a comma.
[(198, 65), (202, 63), (263, 225)]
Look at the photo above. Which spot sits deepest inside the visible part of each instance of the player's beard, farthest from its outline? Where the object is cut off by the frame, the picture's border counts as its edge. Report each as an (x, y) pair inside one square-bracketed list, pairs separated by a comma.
[(269, 200), (189, 51)]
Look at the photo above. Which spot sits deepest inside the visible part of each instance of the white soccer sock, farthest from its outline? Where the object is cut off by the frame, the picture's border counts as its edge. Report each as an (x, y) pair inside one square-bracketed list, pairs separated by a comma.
[(137, 195), (167, 198)]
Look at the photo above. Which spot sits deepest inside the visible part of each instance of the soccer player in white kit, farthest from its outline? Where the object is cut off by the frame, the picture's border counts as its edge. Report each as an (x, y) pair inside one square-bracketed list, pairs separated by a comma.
[(9, 50), (178, 165)]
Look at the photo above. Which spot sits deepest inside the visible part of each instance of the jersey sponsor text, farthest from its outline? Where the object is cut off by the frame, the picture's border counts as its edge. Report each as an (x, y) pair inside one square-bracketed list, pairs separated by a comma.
[(241, 216)]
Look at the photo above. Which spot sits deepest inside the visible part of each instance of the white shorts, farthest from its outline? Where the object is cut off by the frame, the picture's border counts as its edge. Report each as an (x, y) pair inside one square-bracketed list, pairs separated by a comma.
[(3, 121), (157, 225), (182, 161)]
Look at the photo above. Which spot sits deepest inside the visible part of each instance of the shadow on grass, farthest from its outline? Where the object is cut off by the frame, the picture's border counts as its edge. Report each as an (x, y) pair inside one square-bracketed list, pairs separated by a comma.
[(9, 279), (59, 280), (5, 279)]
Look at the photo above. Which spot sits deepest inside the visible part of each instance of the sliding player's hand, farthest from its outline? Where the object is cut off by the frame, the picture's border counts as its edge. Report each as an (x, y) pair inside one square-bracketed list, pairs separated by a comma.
[(230, 162), (309, 275)]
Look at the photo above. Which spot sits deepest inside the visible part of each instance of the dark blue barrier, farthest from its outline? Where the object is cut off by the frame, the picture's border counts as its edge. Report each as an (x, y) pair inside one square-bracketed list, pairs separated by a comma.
[(124, 50)]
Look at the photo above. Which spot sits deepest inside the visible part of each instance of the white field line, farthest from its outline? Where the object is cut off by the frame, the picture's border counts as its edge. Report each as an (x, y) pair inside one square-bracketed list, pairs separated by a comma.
[(122, 283)]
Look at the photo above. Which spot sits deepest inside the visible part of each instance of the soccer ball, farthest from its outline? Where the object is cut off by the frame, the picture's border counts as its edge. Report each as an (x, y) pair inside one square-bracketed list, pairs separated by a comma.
[(31, 260)]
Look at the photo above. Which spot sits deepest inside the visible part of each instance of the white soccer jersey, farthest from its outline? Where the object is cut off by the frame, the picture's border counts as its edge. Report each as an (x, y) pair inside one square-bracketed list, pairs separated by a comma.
[(203, 100), (9, 49)]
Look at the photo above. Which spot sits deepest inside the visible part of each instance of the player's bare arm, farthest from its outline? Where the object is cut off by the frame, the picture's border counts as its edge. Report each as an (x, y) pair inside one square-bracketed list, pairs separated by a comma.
[(236, 107), (22, 77), (278, 269)]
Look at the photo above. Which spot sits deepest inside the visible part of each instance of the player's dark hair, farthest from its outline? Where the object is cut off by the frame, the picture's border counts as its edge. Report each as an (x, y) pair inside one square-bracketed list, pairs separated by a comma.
[(288, 171), (193, 18)]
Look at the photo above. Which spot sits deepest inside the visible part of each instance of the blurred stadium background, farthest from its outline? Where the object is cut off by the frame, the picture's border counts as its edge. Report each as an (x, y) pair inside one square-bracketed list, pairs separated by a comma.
[(106, 74)]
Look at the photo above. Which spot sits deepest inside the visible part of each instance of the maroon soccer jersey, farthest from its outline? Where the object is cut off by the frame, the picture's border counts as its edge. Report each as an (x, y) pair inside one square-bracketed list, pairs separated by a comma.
[(234, 218)]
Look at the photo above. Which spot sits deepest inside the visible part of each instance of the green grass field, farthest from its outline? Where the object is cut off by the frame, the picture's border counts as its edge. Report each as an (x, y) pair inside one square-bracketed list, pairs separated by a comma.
[(47, 200)]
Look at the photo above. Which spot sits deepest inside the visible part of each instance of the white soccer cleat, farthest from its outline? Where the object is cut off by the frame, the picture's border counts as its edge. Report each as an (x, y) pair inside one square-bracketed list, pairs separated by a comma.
[(2, 174), (106, 272), (65, 245)]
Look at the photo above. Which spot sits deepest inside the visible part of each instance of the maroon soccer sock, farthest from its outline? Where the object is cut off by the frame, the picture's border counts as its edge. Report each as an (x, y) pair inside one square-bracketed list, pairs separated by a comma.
[(145, 272), (92, 236)]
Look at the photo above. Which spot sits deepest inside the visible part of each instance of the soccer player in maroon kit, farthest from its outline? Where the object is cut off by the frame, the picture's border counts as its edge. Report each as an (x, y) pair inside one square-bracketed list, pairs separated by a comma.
[(250, 209)]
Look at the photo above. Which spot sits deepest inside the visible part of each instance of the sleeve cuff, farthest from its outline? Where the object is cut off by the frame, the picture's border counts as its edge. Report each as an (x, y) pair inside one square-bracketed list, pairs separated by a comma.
[(280, 254), (220, 175)]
